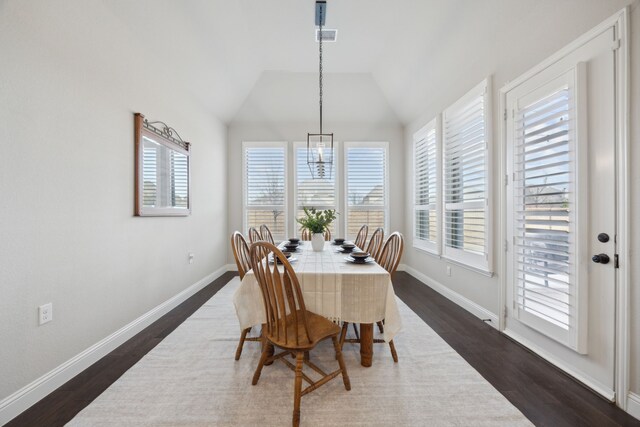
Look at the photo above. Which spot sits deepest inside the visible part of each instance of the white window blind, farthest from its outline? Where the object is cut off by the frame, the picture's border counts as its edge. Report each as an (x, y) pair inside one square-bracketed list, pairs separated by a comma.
[(425, 157), (179, 179), (545, 230), (265, 187), (465, 183), (366, 171), (309, 192), (150, 153), (165, 175)]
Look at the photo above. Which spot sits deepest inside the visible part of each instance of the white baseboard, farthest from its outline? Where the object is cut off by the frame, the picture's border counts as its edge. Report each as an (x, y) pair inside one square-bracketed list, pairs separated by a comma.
[(467, 304), (594, 385), (633, 404), (232, 267), (18, 402)]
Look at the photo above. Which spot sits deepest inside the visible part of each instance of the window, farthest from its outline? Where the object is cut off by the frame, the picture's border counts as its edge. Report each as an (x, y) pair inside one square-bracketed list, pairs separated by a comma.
[(162, 170), (465, 179), (265, 188), (366, 183), (425, 186), (309, 192)]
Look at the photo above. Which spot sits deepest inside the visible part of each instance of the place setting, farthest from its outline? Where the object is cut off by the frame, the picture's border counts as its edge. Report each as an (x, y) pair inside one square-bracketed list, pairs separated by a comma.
[(292, 245), (344, 247), (287, 254), (359, 257)]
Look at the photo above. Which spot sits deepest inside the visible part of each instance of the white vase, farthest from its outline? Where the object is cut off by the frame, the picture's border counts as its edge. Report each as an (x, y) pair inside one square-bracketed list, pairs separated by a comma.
[(317, 242)]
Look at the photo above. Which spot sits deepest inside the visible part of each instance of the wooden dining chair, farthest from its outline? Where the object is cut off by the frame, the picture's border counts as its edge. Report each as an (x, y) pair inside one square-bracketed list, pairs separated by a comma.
[(254, 235), (243, 261), (389, 260), (266, 234), (392, 253), (361, 238), (290, 326), (306, 235), (375, 244)]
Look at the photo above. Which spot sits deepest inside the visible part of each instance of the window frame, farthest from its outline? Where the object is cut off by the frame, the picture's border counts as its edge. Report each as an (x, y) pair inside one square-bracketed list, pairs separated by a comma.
[(481, 263), (364, 144), (161, 136), (433, 247), (245, 208), (336, 185)]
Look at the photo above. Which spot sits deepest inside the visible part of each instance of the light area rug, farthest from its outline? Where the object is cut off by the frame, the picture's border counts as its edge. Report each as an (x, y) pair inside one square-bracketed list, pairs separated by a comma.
[(192, 379)]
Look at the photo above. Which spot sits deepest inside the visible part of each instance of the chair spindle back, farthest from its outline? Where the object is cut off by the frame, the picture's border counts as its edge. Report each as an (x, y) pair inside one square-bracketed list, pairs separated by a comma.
[(306, 235), (254, 235), (241, 253), (375, 244), (361, 238), (266, 234), (281, 293), (392, 252)]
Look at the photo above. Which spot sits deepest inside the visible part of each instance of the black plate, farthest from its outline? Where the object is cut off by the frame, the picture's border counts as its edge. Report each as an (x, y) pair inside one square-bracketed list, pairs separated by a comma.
[(345, 251), (354, 261)]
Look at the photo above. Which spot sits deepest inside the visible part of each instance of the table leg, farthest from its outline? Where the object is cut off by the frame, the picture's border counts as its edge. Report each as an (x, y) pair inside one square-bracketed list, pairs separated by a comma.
[(366, 344)]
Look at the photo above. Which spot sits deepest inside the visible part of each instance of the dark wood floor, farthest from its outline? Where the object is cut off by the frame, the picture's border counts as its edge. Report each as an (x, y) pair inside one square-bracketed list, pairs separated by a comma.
[(543, 393)]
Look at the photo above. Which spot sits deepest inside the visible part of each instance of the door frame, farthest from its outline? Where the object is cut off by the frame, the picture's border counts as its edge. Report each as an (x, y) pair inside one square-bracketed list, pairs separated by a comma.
[(619, 21)]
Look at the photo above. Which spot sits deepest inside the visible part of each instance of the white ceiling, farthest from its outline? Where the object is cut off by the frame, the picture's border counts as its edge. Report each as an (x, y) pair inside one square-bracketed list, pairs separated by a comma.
[(413, 50)]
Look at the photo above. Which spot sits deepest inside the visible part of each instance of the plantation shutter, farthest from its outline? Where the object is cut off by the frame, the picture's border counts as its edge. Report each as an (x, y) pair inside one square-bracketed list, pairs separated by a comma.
[(265, 187), (150, 152), (465, 185), (179, 180), (549, 216), (544, 199), (366, 175), (425, 188), (310, 192), (165, 176)]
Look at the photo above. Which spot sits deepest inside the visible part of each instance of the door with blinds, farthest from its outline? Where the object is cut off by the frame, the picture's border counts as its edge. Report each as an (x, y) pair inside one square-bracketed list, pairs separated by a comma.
[(561, 217)]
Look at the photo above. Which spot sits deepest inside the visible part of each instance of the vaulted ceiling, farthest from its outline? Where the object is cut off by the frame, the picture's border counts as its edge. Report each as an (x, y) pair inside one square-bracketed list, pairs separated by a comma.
[(236, 56)]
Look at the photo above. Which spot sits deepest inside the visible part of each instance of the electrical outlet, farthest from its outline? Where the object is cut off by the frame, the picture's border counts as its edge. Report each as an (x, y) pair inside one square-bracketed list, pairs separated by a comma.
[(449, 270), (45, 313), (191, 256)]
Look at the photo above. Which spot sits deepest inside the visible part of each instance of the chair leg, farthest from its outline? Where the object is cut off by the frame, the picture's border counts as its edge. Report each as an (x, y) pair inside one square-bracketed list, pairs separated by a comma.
[(355, 329), (343, 334), (393, 351), (297, 390), (263, 358), (243, 336), (343, 368), (380, 327)]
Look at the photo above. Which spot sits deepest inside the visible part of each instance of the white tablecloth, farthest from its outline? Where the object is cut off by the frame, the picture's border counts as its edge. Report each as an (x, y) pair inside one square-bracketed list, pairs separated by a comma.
[(332, 287)]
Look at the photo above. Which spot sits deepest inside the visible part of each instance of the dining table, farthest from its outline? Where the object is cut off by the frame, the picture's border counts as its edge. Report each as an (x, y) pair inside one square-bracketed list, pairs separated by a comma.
[(335, 287)]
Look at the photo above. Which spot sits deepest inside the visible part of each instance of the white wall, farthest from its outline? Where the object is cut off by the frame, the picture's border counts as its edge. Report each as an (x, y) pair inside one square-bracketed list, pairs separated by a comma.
[(71, 77), (510, 57)]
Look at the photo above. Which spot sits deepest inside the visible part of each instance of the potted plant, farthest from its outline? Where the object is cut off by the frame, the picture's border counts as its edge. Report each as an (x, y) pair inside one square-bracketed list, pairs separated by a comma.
[(317, 221)]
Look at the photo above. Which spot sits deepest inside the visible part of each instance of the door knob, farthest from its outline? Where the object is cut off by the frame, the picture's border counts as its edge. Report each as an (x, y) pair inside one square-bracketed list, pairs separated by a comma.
[(601, 258), (603, 237)]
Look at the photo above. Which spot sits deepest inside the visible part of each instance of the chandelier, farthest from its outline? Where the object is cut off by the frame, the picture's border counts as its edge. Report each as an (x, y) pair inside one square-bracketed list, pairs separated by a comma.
[(320, 145)]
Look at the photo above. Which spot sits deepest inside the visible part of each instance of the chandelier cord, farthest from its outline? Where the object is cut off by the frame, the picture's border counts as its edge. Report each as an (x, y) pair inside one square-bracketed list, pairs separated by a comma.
[(320, 80)]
